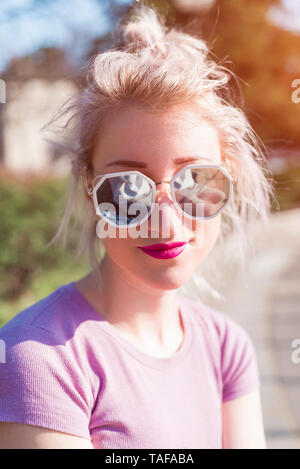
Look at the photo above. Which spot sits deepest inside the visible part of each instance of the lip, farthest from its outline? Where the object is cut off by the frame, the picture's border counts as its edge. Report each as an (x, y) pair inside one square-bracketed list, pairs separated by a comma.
[(164, 251)]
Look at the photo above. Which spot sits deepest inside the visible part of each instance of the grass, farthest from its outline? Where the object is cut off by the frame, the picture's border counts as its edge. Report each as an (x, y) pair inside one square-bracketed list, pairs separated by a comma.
[(43, 283)]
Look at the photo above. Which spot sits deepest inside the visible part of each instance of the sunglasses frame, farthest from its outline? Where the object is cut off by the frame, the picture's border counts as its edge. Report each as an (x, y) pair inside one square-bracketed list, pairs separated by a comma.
[(92, 192)]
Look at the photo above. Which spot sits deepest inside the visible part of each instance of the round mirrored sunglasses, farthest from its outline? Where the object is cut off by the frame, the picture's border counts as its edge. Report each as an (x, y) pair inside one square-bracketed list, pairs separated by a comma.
[(128, 198)]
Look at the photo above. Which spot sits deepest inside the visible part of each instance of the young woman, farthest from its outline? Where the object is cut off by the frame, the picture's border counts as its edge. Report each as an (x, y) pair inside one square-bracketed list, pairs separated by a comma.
[(120, 358)]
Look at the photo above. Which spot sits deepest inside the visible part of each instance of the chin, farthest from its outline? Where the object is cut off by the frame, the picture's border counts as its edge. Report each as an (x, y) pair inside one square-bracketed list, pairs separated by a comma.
[(166, 280)]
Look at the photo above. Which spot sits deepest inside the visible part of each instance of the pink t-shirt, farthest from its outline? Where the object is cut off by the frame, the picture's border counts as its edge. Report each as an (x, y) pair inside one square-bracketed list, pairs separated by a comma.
[(68, 369)]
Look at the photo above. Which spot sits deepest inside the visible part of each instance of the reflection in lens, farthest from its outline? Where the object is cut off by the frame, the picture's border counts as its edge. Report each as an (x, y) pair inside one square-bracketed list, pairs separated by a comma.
[(203, 191), (130, 195)]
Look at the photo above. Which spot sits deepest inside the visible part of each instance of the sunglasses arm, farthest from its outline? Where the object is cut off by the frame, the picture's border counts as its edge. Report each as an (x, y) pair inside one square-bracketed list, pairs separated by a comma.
[(89, 189)]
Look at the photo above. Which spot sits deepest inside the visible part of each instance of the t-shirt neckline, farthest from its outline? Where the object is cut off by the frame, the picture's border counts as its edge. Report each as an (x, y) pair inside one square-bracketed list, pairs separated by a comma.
[(138, 354)]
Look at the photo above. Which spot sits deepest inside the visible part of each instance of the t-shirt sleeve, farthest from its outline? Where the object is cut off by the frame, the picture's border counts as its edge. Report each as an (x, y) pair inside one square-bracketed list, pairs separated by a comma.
[(240, 374), (40, 382)]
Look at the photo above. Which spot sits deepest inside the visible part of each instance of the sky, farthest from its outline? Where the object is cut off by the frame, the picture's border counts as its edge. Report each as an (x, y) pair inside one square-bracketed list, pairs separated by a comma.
[(288, 16), (50, 25), (72, 24)]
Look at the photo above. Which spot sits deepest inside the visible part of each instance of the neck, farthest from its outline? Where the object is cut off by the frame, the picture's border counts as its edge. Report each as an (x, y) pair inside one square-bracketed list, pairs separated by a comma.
[(151, 316)]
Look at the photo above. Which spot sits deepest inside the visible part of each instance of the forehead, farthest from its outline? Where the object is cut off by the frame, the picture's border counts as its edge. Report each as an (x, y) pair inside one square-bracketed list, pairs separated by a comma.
[(156, 136)]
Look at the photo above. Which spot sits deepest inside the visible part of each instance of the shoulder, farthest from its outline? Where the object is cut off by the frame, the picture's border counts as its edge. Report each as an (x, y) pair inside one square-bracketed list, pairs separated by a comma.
[(48, 314), (48, 343), (54, 334), (232, 347), (216, 323), (46, 378), (32, 330), (42, 383), (41, 311)]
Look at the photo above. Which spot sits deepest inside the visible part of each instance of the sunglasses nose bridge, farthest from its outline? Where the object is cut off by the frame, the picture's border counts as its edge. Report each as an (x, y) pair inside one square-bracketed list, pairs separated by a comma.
[(164, 191)]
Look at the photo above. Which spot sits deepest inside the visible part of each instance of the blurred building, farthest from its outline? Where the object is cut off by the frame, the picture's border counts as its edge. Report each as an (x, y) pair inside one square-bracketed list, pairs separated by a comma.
[(36, 86)]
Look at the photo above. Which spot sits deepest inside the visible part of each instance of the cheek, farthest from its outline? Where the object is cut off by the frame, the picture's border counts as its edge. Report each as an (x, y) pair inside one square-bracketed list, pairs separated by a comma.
[(206, 235), (123, 253), (117, 250)]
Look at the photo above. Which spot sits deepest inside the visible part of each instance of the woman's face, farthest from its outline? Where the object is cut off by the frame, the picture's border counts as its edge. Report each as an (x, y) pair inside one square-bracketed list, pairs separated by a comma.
[(158, 145)]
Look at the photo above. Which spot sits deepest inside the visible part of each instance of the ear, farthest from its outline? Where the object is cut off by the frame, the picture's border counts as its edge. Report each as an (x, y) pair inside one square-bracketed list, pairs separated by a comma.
[(86, 182)]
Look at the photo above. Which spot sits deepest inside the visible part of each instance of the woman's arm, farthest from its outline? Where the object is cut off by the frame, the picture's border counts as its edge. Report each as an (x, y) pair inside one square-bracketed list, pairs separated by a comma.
[(243, 423), (23, 436)]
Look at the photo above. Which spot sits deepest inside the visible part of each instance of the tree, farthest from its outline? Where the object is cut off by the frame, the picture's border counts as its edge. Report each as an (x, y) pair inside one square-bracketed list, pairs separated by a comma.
[(264, 56)]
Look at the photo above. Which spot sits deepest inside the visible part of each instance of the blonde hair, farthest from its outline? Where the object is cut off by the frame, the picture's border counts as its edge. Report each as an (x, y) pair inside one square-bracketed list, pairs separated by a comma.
[(155, 66)]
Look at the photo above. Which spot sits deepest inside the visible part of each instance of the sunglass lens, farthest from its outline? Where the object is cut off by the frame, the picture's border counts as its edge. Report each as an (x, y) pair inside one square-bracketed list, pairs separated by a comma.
[(202, 192), (125, 199)]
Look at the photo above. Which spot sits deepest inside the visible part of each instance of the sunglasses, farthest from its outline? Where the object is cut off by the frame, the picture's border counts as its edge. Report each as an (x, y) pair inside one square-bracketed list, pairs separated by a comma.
[(127, 198)]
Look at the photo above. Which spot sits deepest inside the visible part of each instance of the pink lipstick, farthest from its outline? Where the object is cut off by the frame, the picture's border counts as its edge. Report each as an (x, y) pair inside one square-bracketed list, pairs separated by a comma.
[(164, 251)]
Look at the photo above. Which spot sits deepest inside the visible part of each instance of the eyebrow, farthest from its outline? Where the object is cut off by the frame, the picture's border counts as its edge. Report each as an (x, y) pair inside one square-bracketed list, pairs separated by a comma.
[(140, 164)]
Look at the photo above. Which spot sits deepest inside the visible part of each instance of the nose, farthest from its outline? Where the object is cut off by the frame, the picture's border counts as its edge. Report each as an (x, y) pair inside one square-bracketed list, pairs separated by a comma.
[(163, 190), (164, 221)]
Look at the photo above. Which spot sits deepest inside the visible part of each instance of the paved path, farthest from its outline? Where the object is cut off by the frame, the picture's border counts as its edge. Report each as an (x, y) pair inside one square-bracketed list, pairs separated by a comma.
[(267, 304)]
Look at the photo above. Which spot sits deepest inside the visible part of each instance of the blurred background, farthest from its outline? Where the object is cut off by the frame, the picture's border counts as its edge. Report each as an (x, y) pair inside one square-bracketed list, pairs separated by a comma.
[(44, 47)]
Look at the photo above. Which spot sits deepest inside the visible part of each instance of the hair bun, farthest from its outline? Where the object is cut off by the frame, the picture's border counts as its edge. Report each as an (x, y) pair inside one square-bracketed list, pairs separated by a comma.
[(144, 28)]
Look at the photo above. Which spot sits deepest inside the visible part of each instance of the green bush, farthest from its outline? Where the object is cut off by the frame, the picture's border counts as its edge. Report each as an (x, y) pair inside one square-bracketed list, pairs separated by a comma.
[(30, 214), (287, 185)]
